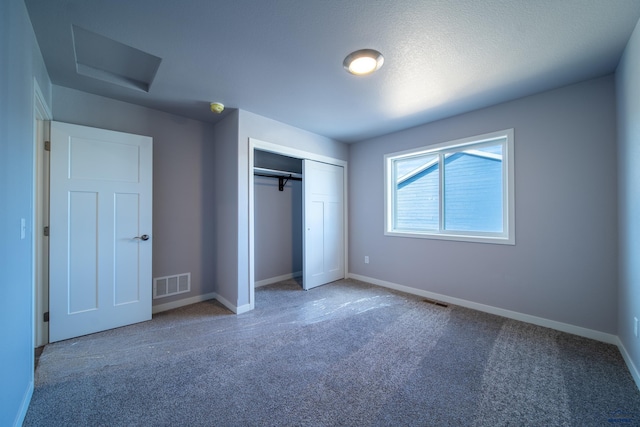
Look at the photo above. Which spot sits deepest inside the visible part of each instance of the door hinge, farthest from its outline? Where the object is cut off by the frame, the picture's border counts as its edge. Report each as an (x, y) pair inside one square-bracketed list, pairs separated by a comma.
[(46, 231), (45, 317), (47, 146)]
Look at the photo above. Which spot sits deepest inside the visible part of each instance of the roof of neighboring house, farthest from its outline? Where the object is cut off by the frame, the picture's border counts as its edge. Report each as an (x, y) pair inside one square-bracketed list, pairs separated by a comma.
[(434, 161)]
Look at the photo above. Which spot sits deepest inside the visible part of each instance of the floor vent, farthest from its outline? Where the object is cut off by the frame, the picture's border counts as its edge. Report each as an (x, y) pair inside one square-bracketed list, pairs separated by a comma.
[(438, 303), (171, 285)]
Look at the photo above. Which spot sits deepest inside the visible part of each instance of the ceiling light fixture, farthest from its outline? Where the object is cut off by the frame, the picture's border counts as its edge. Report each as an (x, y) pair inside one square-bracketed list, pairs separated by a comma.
[(363, 62)]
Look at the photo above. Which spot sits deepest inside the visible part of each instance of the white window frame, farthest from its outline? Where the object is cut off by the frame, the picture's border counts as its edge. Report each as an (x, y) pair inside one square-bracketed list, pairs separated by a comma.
[(507, 237)]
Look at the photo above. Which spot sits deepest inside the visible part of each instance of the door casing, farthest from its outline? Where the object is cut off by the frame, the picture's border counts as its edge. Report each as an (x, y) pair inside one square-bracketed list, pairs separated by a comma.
[(40, 271)]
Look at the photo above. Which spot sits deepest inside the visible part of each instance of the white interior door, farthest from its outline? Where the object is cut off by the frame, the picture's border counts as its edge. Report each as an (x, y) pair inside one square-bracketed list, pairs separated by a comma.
[(100, 228), (323, 223)]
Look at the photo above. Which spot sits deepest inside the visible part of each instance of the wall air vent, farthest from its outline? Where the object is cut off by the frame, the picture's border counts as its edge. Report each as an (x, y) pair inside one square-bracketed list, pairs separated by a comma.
[(171, 285)]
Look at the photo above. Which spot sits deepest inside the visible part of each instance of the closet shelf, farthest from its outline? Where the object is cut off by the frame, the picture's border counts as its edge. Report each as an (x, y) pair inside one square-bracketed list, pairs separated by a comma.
[(283, 176)]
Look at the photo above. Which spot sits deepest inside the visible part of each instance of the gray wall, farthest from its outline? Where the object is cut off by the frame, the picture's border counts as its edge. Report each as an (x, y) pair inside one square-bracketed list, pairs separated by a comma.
[(183, 181), (21, 62), (628, 91), (225, 166), (277, 228), (564, 264)]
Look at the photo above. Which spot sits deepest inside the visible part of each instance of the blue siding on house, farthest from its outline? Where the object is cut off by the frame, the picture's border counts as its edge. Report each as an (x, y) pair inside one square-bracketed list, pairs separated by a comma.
[(417, 201), (472, 192)]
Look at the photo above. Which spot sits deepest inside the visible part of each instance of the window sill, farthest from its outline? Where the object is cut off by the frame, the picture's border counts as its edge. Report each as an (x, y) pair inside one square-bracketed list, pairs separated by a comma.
[(496, 240)]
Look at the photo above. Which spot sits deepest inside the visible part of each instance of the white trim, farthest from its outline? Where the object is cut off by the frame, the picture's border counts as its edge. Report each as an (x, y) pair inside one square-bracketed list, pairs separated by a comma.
[(251, 208), (244, 308), (24, 405), (293, 152), (158, 308), (40, 218), (478, 238), (235, 309), (506, 237), (559, 326), (40, 104), (277, 279), (200, 298), (627, 359), (487, 138), (227, 304), (300, 154)]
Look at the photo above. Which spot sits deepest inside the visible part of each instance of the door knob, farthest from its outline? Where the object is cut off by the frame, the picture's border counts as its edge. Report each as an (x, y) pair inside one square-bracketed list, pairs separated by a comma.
[(143, 237)]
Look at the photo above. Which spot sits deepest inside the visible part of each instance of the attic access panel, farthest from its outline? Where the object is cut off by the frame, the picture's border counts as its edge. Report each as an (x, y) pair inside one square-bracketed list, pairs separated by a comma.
[(102, 58)]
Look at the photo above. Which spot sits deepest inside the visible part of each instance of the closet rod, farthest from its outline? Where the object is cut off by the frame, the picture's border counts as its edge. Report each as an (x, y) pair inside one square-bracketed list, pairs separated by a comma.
[(274, 173), (283, 177)]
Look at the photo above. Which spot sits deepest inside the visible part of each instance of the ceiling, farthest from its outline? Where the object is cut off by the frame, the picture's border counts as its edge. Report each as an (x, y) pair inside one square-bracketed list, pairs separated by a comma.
[(282, 59)]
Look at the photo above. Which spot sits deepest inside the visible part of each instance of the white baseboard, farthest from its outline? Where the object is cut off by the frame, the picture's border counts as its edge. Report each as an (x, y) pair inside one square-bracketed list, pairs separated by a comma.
[(632, 367), (244, 308), (236, 309), (24, 405), (182, 302), (199, 298), (559, 326), (277, 279), (227, 304)]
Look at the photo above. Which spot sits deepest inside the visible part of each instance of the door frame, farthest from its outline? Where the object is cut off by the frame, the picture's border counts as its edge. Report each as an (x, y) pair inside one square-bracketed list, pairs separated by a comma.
[(40, 255), (298, 154)]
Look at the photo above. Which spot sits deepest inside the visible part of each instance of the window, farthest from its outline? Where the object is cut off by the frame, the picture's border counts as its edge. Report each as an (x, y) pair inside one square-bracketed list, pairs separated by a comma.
[(459, 190)]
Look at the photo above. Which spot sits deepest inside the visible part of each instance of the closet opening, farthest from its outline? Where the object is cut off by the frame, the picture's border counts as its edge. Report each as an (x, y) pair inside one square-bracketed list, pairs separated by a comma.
[(278, 241), (299, 233)]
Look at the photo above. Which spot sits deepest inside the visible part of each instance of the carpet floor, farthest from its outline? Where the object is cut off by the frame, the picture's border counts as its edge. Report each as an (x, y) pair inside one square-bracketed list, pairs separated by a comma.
[(343, 354)]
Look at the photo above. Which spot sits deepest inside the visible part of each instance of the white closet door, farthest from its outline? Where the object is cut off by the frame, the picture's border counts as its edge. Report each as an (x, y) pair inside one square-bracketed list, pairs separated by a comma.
[(323, 223), (100, 223)]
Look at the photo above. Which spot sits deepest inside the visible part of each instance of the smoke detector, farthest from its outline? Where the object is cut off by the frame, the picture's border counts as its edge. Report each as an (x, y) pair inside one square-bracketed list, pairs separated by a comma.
[(217, 107)]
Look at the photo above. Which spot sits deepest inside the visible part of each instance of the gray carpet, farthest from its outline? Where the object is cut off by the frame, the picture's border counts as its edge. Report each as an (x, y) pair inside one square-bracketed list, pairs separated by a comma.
[(346, 353)]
